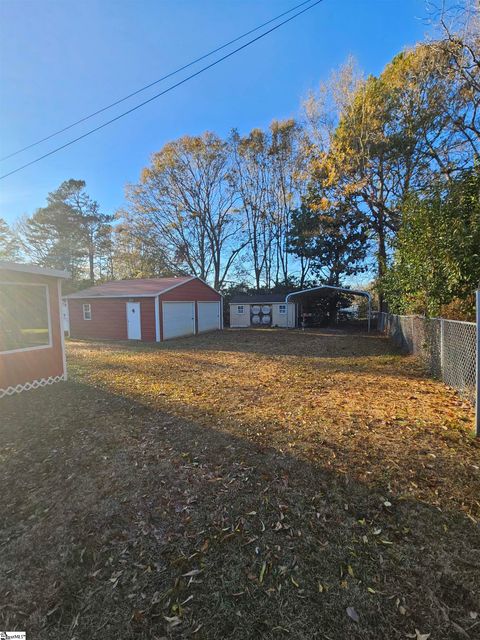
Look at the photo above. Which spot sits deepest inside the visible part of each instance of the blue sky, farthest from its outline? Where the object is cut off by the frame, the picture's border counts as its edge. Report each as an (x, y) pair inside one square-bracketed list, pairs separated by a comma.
[(60, 60)]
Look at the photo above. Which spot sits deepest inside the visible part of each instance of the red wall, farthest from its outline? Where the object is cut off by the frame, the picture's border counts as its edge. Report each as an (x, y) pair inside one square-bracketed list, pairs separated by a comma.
[(191, 291), (27, 366), (109, 318)]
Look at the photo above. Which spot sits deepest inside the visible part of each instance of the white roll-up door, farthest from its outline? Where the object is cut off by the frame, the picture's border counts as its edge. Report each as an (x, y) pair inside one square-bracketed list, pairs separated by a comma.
[(178, 319), (208, 316)]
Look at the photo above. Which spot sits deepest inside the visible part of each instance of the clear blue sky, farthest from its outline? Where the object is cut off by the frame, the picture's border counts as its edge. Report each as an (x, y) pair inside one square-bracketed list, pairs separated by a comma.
[(60, 60)]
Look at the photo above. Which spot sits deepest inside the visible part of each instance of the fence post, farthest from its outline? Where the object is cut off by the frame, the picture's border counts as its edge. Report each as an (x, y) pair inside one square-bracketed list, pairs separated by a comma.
[(477, 370), (442, 323)]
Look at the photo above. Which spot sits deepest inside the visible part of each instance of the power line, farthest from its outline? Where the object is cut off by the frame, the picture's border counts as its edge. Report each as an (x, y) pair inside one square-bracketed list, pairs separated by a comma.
[(173, 86), (151, 84)]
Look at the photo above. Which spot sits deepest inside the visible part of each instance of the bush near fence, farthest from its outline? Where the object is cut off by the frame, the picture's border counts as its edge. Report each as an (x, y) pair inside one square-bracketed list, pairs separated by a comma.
[(447, 348)]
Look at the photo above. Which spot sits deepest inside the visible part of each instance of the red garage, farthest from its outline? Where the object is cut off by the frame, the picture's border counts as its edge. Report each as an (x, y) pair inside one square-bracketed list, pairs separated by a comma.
[(150, 310), (32, 352)]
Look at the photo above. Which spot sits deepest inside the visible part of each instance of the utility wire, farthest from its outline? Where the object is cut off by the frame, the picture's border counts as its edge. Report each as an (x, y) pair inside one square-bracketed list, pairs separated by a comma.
[(147, 86), (173, 86)]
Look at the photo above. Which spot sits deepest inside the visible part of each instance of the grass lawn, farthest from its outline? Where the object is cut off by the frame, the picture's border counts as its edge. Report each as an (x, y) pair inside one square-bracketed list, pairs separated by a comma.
[(246, 484)]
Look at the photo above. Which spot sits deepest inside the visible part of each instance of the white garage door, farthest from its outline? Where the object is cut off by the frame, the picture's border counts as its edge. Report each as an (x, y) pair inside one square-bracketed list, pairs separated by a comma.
[(178, 319), (208, 316)]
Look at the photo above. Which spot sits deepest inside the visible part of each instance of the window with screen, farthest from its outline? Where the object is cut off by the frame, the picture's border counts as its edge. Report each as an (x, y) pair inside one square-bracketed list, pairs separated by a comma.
[(24, 320)]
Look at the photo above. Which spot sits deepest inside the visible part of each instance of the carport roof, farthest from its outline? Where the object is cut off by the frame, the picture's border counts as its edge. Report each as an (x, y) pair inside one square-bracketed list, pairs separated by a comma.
[(139, 287)]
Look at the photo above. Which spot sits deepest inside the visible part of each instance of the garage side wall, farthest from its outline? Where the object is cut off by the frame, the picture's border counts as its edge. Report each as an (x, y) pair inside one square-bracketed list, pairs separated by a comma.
[(109, 318)]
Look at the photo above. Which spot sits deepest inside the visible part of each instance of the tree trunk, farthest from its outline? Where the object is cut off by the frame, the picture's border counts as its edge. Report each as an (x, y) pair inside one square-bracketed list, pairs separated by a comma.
[(382, 264), (91, 265)]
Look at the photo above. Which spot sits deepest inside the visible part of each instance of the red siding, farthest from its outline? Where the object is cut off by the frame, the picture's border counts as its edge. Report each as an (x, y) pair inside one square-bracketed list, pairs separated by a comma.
[(27, 366), (109, 318), (191, 291)]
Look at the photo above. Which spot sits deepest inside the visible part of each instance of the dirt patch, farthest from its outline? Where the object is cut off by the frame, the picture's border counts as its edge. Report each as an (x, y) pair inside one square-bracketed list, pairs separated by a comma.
[(249, 484)]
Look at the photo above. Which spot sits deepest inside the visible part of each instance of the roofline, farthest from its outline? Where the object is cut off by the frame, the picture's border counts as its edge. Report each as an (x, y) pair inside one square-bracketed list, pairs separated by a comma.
[(355, 292), (74, 295), (178, 284), (208, 285), (34, 269), (261, 302)]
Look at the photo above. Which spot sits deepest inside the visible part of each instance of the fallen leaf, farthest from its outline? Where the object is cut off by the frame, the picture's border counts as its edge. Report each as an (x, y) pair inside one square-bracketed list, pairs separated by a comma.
[(190, 574), (262, 572), (351, 613)]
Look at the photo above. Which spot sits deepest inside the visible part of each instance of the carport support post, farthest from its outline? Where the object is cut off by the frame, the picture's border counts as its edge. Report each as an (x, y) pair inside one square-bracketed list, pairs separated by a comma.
[(477, 369), (369, 312)]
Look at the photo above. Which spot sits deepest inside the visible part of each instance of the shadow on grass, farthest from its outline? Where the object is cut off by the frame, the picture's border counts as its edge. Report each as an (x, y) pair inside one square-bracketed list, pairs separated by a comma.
[(120, 520), (316, 343)]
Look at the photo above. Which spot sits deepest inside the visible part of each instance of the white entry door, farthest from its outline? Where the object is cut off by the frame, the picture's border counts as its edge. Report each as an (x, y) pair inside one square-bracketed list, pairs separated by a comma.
[(134, 329), (178, 319), (208, 316)]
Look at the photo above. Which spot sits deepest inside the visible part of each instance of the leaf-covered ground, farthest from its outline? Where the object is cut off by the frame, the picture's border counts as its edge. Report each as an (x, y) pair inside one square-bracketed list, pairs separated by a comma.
[(246, 484)]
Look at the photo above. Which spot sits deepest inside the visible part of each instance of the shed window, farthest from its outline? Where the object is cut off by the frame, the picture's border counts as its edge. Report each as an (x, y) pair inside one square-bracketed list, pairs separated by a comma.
[(87, 312), (282, 308), (24, 317), (240, 308)]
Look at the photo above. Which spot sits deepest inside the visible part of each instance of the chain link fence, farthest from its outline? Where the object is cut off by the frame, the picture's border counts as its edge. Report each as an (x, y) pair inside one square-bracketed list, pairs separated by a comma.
[(447, 348)]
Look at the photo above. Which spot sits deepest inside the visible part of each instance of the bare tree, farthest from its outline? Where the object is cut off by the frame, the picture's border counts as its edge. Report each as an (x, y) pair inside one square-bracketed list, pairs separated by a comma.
[(186, 201)]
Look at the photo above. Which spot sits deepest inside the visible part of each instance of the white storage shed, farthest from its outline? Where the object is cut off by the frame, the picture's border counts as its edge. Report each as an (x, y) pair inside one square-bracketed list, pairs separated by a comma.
[(267, 310)]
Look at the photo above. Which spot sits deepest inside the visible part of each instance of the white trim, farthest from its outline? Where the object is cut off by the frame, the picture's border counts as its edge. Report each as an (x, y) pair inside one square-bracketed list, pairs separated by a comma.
[(49, 321), (87, 304), (157, 319), (32, 268), (62, 330), (285, 311), (26, 386), (242, 306)]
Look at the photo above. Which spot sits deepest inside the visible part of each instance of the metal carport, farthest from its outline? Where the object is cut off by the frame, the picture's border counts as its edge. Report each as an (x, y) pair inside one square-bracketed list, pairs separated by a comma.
[(325, 287)]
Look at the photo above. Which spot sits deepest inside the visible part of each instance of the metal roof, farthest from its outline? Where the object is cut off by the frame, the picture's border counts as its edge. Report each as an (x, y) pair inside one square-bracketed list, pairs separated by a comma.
[(328, 290), (33, 268), (139, 287), (258, 298)]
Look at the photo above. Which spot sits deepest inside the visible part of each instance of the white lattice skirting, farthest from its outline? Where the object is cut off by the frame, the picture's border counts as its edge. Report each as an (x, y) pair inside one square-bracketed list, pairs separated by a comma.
[(26, 386)]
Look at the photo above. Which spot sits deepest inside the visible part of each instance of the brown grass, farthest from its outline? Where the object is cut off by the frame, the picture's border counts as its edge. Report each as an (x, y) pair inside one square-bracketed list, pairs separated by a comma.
[(250, 484)]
